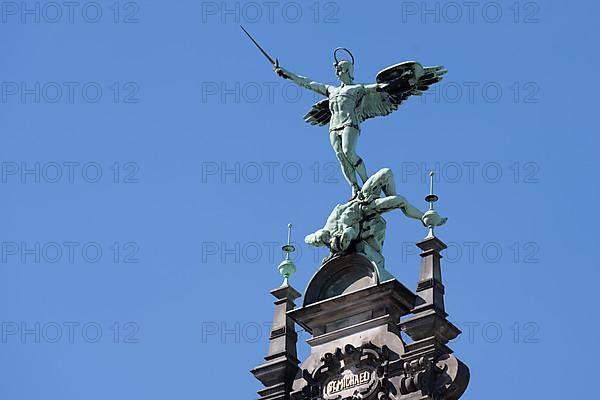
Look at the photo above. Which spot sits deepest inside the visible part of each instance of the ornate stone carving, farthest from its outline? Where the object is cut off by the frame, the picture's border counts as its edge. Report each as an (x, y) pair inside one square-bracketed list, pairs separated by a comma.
[(420, 375), (350, 373)]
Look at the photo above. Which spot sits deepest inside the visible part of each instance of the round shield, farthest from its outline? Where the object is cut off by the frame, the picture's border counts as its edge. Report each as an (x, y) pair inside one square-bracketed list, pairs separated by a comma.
[(395, 71)]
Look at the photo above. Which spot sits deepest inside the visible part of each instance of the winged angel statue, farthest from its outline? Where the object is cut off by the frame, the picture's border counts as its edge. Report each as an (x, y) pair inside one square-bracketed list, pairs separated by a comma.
[(357, 225), (350, 103)]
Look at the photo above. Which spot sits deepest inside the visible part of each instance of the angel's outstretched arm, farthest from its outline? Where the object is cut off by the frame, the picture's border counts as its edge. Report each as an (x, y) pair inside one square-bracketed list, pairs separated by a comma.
[(302, 81)]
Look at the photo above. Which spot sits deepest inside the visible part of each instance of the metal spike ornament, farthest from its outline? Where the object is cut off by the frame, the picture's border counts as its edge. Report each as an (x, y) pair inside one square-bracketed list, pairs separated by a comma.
[(287, 266), (431, 218)]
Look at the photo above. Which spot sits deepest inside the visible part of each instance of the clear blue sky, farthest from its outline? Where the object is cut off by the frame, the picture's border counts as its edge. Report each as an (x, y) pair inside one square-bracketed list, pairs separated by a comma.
[(151, 160)]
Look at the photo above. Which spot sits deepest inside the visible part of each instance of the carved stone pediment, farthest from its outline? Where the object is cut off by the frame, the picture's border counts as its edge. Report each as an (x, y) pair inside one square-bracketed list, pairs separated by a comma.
[(350, 373)]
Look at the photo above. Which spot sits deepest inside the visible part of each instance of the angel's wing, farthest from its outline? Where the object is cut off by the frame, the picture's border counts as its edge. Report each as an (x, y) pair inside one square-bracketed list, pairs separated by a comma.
[(319, 114), (394, 85)]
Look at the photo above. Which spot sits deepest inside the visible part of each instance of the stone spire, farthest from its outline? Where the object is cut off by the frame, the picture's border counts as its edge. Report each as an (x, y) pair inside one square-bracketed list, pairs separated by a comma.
[(429, 319), (278, 371), (428, 358)]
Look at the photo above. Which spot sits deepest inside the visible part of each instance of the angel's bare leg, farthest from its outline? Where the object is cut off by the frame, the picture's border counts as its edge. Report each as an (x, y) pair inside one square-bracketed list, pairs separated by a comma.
[(349, 139), (347, 169)]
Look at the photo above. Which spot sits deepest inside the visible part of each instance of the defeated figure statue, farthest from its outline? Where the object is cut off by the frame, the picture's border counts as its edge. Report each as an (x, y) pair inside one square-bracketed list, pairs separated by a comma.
[(358, 226)]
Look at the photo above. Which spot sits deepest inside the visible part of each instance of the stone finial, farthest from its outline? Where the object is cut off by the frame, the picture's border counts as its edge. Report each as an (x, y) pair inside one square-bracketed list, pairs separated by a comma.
[(287, 266), (431, 218)]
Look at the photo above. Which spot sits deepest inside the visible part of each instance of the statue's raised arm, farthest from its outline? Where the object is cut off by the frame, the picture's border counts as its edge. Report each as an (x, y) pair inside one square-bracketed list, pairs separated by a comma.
[(302, 81)]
